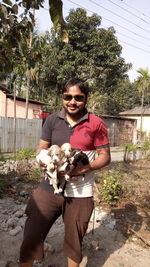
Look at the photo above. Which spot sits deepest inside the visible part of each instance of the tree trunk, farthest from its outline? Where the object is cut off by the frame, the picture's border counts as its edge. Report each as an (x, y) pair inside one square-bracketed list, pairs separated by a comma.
[(29, 74), (14, 121), (27, 97)]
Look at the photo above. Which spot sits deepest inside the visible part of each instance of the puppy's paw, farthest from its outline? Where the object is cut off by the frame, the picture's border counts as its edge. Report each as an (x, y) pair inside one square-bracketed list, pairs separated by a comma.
[(56, 191), (67, 177), (60, 190)]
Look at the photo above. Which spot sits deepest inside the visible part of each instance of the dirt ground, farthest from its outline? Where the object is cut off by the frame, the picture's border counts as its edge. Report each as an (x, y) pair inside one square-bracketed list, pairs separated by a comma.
[(124, 244)]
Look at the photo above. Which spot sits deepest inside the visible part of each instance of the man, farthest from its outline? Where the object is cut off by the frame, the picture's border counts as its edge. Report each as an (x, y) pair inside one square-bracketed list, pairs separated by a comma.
[(83, 131)]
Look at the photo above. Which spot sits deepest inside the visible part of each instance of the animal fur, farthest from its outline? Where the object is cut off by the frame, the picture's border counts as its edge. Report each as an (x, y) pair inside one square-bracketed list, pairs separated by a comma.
[(61, 160), (55, 154)]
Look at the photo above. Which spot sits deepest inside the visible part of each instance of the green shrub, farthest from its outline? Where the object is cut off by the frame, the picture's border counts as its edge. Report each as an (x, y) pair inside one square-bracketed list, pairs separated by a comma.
[(146, 148), (2, 158), (24, 154), (131, 147), (35, 174), (111, 188)]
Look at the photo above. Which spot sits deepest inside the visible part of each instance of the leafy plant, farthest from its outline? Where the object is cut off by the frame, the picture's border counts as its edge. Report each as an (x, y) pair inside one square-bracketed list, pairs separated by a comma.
[(17, 25), (24, 154), (144, 147), (128, 148), (2, 158), (35, 174), (131, 147), (111, 186)]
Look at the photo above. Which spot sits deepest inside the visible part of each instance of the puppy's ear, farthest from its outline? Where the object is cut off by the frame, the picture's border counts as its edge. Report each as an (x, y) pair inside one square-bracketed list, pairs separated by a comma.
[(62, 154), (75, 151), (49, 151)]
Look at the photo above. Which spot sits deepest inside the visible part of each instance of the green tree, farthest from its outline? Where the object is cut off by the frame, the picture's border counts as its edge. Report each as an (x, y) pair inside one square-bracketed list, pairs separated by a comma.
[(98, 59), (93, 53), (143, 85), (125, 97), (15, 27), (98, 103)]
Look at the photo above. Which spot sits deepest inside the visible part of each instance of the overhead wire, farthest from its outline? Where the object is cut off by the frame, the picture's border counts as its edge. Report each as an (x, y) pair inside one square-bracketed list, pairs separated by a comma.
[(134, 9), (127, 29), (126, 10), (125, 35), (144, 50), (127, 20)]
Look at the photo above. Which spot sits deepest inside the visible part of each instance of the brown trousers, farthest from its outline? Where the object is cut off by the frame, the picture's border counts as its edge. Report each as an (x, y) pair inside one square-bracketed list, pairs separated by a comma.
[(42, 211)]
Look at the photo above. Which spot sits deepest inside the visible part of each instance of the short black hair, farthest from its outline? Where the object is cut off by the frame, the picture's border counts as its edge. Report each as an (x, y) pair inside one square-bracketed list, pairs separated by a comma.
[(78, 82)]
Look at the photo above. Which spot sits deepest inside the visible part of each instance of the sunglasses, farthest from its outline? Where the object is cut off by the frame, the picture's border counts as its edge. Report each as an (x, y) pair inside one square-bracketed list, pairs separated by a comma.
[(78, 98)]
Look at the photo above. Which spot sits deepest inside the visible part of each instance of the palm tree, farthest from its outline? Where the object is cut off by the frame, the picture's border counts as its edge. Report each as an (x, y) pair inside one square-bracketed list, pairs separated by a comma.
[(143, 85)]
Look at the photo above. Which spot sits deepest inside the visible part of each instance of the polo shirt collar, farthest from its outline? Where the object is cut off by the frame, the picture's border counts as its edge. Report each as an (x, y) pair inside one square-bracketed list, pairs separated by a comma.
[(62, 115)]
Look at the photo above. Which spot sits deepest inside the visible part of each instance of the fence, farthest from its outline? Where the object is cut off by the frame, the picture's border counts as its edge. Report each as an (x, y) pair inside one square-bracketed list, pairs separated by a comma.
[(27, 134)]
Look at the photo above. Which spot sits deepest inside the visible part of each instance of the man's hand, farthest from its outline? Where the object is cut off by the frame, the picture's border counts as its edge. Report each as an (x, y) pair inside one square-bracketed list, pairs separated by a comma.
[(43, 158), (80, 170)]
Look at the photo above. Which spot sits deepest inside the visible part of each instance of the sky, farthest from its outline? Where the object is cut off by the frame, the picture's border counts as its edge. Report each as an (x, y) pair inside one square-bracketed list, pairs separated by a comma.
[(130, 18)]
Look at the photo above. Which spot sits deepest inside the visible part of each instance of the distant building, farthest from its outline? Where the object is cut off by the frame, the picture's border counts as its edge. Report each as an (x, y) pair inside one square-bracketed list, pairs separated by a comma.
[(120, 130), (135, 113), (35, 108)]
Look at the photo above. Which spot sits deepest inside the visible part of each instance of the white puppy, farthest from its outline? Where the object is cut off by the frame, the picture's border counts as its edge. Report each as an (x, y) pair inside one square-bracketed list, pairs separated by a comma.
[(65, 161), (67, 150), (50, 158), (55, 154), (43, 157), (59, 162)]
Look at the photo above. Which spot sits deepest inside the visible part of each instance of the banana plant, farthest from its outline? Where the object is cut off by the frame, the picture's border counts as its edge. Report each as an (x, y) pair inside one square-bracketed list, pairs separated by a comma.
[(15, 26)]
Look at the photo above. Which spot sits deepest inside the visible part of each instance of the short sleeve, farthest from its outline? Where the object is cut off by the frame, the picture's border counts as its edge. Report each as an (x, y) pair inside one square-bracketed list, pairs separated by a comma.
[(47, 129), (101, 135)]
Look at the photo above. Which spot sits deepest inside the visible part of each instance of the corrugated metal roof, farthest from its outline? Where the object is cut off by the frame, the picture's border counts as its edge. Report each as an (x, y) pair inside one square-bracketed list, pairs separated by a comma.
[(23, 99), (116, 117), (9, 95), (4, 89), (136, 111)]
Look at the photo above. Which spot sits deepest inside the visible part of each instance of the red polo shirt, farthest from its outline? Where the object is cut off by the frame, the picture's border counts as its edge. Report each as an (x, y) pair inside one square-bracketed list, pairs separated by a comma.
[(87, 135)]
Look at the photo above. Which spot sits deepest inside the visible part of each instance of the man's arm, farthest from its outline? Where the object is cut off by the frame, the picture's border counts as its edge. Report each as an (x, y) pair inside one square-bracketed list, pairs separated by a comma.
[(102, 160), (42, 145)]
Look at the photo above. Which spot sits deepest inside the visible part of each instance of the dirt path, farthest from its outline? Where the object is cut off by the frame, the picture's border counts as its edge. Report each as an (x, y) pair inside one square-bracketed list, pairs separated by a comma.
[(111, 245), (105, 247)]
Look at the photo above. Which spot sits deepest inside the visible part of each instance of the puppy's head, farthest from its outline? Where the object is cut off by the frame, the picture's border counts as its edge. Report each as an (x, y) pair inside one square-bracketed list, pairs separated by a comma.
[(55, 153), (66, 149)]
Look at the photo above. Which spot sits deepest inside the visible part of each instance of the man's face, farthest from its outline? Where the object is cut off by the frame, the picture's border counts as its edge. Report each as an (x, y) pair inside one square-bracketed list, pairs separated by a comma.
[(74, 101)]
